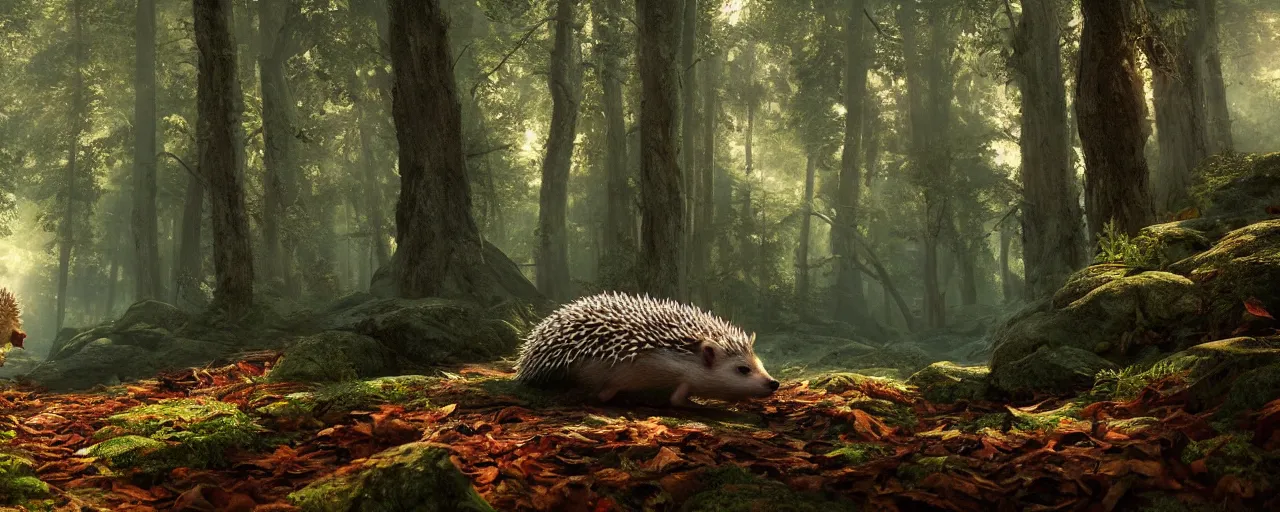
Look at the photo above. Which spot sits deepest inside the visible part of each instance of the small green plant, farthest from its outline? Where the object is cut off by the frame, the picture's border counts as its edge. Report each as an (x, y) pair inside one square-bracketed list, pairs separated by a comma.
[(1115, 246), (1129, 381)]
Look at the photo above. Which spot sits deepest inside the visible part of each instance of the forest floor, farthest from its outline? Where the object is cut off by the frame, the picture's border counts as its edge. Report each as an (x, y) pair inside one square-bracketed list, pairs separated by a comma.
[(851, 442)]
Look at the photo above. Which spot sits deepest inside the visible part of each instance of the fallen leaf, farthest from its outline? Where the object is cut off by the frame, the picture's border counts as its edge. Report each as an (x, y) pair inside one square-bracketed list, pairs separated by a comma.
[(1255, 308)]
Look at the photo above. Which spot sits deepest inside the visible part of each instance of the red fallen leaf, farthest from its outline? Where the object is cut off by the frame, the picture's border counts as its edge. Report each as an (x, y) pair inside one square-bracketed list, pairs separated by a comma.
[(1255, 308), (1273, 210), (486, 475), (605, 505), (665, 458), (682, 485), (16, 338), (1199, 467), (612, 477), (1268, 423), (135, 492)]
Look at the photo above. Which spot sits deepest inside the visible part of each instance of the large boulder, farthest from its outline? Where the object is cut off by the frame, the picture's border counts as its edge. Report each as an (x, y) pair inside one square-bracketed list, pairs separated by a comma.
[(945, 382), (333, 356), (1049, 370), (107, 361), (1238, 185), (1244, 265), (437, 331), (1214, 370)]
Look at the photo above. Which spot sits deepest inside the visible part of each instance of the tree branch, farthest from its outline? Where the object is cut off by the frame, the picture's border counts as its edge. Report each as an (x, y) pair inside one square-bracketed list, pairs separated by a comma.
[(193, 172), (490, 150), (503, 62), (878, 29)]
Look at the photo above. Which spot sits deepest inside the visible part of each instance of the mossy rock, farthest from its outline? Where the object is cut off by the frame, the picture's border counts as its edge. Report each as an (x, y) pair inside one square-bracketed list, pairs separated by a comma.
[(1085, 280), (797, 354), (859, 453), (1243, 265), (906, 358), (411, 477), (1130, 426), (1057, 370), (333, 356), (1236, 184), (434, 331), (1252, 390), (944, 382), (153, 313), (1233, 454), (155, 438), (732, 489), (1210, 370), (844, 382), (1171, 242), (18, 480), (332, 402)]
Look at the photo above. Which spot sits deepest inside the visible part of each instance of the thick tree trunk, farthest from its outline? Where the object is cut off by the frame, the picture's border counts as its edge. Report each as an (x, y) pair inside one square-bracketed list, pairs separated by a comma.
[(618, 242), (66, 240), (705, 211), (1008, 289), (849, 301), (748, 210), (219, 103), (1051, 218), (1110, 110), (1209, 64), (144, 217), (802, 251), (438, 244), (688, 139), (279, 130), (661, 197), (372, 186), (565, 81), (1178, 97)]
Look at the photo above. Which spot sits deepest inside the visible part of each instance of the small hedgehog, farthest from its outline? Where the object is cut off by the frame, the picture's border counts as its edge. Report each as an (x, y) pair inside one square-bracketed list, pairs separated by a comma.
[(615, 342), (10, 320)]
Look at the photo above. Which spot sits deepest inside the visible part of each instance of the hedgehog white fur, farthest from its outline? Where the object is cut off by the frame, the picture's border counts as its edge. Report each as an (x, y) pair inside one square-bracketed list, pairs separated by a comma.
[(614, 342)]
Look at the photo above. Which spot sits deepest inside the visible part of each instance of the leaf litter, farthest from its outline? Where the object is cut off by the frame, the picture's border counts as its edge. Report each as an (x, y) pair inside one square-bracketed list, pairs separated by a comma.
[(522, 455)]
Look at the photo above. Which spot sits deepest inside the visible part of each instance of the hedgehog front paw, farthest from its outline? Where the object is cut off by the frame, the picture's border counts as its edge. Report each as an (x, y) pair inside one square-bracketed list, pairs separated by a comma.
[(680, 398)]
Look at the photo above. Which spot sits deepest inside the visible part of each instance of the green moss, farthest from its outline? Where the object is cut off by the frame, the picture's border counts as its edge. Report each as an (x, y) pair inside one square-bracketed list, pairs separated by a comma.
[(1159, 502), (175, 433), (1132, 425), (332, 401), (859, 453), (1233, 454), (18, 481), (915, 471), (895, 415), (1251, 391), (844, 382), (732, 489), (1025, 421), (414, 476), (1126, 383), (945, 382)]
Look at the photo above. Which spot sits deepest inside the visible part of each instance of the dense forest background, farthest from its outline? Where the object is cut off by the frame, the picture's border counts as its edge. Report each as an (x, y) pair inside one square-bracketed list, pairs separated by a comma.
[(891, 165)]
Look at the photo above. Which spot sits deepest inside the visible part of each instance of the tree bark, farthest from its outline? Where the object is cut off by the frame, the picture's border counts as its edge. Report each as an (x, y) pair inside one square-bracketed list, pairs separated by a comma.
[(1179, 104), (189, 272), (279, 130), (1110, 110), (1209, 64), (438, 244), (219, 104), (565, 82), (688, 138), (618, 243), (144, 217), (849, 301), (1008, 290), (1052, 234), (661, 197), (802, 251), (748, 210), (372, 191), (705, 211), (70, 192)]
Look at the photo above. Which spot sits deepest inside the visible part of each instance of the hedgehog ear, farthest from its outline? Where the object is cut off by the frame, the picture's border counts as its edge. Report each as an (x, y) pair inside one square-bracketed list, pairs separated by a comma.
[(752, 341), (708, 355)]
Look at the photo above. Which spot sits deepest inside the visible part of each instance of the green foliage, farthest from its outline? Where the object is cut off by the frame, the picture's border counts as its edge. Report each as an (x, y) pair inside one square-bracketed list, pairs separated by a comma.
[(1116, 247), (1126, 383), (174, 433), (18, 481)]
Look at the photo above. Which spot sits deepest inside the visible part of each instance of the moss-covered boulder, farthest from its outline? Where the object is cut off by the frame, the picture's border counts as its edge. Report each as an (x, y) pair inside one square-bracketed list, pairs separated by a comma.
[(1244, 265), (1237, 184), (18, 481), (799, 354), (333, 356), (1212, 372), (411, 477), (332, 402), (152, 313), (436, 331), (945, 382), (1056, 370), (1171, 242), (155, 438)]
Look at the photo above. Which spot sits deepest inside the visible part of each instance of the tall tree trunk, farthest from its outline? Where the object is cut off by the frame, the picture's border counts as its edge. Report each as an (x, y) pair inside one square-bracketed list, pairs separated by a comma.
[(1209, 63), (661, 197), (1008, 288), (144, 216), (438, 244), (565, 81), (372, 185), (688, 138), (1110, 109), (1179, 104), (219, 104), (189, 271), (113, 277), (705, 190), (849, 301), (618, 243), (748, 211), (279, 130), (1052, 234), (77, 126), (802, 251)]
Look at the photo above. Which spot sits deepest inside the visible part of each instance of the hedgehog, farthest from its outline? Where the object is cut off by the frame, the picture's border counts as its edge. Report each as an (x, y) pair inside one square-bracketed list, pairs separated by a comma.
[(615, 342), (10, 320)]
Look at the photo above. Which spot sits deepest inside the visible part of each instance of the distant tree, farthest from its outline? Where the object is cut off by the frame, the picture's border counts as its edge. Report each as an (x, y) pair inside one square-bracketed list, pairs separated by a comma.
[(219, 103), (1052, 234), (1208, 58), (661, 198), (1178, 97), (145, 217), (77, 115), (1110, 110), (278, 42), (848, 300), (618, 243), (688, 136), (565, 82)]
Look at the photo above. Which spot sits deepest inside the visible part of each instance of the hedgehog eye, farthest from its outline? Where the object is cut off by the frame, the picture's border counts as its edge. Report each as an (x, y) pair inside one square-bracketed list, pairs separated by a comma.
[(745, 370)]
